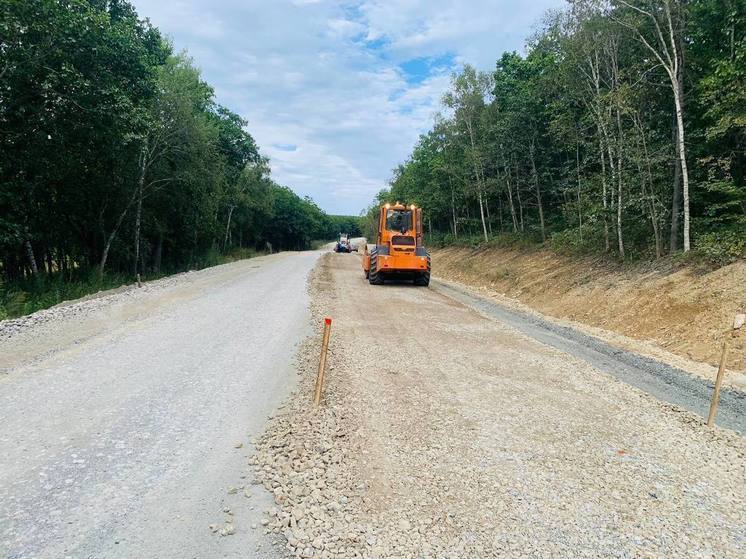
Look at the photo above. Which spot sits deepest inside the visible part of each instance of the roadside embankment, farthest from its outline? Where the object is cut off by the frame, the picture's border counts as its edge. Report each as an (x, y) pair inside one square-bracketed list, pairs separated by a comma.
[(666, 310)]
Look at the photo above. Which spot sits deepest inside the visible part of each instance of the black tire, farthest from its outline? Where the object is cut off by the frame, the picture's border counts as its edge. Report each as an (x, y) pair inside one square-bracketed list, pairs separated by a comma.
[(374, 276), (423, 278)]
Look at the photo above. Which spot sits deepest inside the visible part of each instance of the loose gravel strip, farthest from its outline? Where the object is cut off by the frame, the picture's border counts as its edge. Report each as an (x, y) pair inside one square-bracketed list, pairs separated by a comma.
[(445, 434), (88, 304), (43, 333)]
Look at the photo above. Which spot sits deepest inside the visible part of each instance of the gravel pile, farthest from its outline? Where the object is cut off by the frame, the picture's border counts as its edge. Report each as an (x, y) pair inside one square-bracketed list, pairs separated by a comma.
[(444, 434), (302, 461)]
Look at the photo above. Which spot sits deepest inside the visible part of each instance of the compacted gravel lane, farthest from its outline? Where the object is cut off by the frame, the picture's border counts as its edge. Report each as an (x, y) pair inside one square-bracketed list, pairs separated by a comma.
[(121, 418), (446, 434)]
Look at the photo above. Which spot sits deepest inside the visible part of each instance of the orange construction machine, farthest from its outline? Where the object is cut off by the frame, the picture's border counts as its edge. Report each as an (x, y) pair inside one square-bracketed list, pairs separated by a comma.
[(398, 251)]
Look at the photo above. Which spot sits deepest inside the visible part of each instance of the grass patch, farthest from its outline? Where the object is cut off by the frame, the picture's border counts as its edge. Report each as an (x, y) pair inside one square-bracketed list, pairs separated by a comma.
[(320, 243), (30, 295)]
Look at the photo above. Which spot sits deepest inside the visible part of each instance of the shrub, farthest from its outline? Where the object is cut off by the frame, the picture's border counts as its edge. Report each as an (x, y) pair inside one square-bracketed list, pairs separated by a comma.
[(722, 247), (570, 242)]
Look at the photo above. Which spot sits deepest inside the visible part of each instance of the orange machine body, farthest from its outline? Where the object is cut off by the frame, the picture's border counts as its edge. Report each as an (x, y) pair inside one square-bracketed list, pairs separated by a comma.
[(398, 249)]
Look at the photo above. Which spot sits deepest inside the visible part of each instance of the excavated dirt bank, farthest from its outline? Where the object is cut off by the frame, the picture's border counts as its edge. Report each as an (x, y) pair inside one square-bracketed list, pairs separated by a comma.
[(669, 308)]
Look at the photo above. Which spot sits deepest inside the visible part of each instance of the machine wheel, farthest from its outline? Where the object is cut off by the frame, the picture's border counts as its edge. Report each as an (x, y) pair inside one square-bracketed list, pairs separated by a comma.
[(423, 278), (374, 276)]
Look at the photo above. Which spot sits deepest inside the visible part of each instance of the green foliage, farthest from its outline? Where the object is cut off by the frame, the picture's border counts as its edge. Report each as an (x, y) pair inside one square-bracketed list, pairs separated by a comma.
[(26, 296), (573, 144), (345, 224), (115, 158), (571, 242), (723, 247)]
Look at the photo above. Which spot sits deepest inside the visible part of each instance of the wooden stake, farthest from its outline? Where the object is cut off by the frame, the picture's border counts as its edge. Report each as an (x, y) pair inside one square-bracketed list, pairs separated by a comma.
[(718, 383), (322, 362), (738, 323)]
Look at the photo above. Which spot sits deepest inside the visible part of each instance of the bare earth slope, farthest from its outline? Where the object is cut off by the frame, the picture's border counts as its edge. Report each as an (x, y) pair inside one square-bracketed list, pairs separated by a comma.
[(121, 416), (446, 434), (680, 310)]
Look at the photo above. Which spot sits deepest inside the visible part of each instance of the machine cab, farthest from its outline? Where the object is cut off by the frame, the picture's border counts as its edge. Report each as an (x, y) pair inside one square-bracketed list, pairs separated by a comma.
[(400, 227), (398, 250)]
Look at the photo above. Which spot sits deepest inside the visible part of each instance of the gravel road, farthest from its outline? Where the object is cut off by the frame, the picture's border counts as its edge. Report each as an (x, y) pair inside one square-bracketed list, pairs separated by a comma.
[(447, 434), (659, 379), (125, 420)]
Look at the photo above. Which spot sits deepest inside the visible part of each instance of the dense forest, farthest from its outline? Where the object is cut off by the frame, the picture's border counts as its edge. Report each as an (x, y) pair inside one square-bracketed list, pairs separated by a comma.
[(622, 130), (116, 159)]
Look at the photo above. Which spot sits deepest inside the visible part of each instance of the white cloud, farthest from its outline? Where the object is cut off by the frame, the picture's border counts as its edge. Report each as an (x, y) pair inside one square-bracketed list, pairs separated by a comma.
[(303, 74)]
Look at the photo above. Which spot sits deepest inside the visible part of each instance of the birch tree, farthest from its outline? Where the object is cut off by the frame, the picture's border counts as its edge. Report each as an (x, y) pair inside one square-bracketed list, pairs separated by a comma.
[(660, 27), (467, 99)]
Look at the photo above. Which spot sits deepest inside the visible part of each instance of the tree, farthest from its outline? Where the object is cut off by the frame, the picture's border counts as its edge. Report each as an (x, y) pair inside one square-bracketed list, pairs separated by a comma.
[(115, 156), (574, 146), (467, 100), (661, 30)]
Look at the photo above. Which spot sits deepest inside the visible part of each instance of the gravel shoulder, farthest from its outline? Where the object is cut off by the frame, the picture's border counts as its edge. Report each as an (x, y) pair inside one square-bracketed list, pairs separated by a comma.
[(127, 418), (664, 381), (446, 434), (41, 334)]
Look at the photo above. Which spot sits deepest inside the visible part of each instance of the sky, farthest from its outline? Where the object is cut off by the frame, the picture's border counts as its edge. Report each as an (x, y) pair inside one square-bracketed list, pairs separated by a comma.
[(337, 93)]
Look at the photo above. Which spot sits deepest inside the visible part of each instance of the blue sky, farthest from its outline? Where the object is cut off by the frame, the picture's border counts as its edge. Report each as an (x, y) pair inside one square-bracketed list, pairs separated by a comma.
[(336, 93)]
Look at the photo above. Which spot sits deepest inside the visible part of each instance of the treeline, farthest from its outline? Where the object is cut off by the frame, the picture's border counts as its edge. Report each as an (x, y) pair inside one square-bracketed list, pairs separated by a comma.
[(115, 157), (622, 130)]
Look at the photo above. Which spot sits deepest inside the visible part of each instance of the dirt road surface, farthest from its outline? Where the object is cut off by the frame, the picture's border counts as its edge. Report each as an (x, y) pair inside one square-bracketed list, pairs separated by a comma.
[(120, 416), (447, 434), (127, 420)]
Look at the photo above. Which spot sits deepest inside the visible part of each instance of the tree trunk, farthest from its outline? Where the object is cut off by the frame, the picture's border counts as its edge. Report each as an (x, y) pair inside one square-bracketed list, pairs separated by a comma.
[(670, 55), (513, 215), (228, 228), (478, 177), (620, 184), (538, 192), (651, 198), (453, 211), (676, 73), (518, 195), (607, 244), (481, 213), (509, 185), (594, 66), (110, 239), (138, 212), (612, 193), (487, 211), (580, 206), (500, 212), (50, 262), (675, 205), (31, 258), (678, 100)]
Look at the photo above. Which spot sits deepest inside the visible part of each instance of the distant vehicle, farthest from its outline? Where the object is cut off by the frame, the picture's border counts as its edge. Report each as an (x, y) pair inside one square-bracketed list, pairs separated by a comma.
[(344, 244), (398, 251)]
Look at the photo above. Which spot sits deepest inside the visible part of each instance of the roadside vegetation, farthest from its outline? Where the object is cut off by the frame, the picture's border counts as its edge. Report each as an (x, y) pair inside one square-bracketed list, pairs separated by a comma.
[(117, 160), (622, 131)]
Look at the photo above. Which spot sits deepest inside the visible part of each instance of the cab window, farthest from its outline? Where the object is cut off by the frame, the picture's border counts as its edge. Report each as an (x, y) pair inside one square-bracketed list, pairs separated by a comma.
[(399, 220)]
